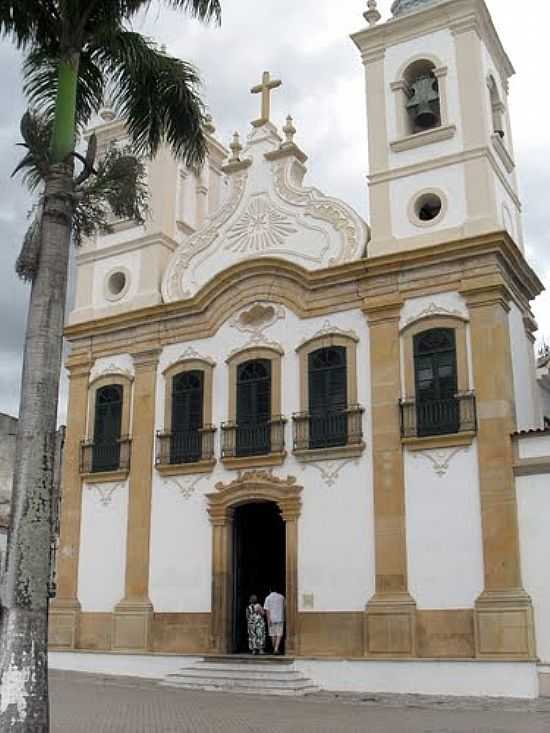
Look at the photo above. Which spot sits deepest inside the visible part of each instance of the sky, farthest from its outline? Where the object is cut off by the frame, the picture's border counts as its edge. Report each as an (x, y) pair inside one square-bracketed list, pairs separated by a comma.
[(307, 45)]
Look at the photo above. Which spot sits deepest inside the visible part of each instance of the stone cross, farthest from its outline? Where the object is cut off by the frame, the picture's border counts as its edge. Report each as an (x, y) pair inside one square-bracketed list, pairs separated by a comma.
[(265, 88)]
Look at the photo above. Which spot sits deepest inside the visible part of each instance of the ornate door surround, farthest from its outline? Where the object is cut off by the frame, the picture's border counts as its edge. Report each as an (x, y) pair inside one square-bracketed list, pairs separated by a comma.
[(251, 486)]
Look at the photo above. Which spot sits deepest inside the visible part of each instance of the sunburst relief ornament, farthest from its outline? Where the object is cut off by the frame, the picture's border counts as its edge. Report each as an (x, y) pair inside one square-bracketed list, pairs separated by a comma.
[(261, 227)]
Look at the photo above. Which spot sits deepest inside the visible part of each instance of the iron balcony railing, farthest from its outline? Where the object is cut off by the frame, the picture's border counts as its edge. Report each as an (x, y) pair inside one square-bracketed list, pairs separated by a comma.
[(253, 439), (185, 446), (438, 417), (109, 456), (328, 430)]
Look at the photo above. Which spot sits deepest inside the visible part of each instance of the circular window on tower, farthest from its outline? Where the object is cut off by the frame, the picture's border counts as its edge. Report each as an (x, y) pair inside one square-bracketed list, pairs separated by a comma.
[(427, 208), (116, 283)]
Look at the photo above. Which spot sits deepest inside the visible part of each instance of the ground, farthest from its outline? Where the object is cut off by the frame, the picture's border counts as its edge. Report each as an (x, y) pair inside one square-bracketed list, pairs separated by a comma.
[(84, 703)]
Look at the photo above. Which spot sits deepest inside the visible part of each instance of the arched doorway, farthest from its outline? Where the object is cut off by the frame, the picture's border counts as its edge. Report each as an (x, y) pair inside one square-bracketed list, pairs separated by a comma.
[(258, 561), (227, 508)]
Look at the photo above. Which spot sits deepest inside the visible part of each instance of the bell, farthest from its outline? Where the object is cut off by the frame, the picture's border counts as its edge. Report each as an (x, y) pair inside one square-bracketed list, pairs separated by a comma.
[(423, 102)]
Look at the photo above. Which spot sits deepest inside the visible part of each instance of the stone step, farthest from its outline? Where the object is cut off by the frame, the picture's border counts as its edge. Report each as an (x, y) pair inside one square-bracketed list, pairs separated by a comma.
[(190, 675), (247, 669), (243, 689), (244, 676)]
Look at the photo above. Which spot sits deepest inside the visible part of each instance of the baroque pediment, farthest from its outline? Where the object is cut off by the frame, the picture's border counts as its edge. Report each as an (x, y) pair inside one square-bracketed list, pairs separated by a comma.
[(267, 212)]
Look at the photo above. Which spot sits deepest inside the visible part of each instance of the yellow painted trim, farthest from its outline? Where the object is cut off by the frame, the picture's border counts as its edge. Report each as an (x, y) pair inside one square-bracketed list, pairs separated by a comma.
[(185, 469), (439, 441), (105, 477)]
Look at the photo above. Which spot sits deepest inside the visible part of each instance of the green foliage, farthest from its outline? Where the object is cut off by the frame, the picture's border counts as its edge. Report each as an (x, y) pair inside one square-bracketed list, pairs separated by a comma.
[(158, 94), (117, 190)]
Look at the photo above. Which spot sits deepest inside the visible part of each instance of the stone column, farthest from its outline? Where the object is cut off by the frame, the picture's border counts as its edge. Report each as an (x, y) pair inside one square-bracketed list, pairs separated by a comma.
[(65, 608), (390, 619), (504, 626), (221, 519), (290, 511), (133, 615)]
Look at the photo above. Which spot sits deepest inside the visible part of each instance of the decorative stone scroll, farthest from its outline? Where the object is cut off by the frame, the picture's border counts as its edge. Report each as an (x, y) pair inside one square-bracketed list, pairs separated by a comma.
[(267, 213)]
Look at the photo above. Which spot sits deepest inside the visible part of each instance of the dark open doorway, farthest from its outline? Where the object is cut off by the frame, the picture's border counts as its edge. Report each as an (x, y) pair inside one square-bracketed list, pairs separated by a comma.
[(258, 562)]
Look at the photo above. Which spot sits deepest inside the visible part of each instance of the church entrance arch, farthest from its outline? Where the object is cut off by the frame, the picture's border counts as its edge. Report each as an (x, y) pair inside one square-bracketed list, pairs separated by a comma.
[(275, 504)]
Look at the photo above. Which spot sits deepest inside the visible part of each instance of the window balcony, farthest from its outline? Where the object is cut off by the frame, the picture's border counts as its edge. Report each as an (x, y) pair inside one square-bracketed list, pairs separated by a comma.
[(253, 444), (189, 451), (330, 435), (109, 461), (455, 416)]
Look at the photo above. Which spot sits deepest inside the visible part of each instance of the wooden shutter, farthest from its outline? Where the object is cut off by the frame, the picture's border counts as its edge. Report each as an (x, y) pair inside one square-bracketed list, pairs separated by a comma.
[(436, 382), (187, 416), (107, 426), (327, 381), (253, 407)]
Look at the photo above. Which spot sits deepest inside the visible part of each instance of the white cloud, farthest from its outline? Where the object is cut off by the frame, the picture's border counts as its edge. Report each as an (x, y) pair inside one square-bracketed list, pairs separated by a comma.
[(306, 43)]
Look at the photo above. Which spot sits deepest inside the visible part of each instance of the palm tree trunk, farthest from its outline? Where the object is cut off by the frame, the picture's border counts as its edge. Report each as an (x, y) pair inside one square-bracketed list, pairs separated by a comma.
[(23, 651)]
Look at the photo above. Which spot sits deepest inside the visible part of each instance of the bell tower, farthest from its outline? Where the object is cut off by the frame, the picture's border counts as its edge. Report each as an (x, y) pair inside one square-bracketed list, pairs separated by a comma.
[(441, 159)]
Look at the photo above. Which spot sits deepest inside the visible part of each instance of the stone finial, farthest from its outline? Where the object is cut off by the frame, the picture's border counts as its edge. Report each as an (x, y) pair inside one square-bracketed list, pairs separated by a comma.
[(372, 15), (236, 148), (289, 131), (107, 112), (209, 125)]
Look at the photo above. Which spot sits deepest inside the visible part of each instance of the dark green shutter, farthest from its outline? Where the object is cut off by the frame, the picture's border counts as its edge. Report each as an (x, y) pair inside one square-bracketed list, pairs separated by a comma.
[(107, 426), (187, 416), (327, 382)]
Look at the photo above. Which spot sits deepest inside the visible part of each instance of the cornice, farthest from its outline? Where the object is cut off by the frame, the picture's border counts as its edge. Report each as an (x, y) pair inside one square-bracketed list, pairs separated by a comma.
[(454, 15), (355, 285), (101, 253)]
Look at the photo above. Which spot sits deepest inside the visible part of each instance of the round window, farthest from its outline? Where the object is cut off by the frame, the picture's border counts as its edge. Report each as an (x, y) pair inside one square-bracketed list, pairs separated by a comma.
[(116, 283), (427, 207)]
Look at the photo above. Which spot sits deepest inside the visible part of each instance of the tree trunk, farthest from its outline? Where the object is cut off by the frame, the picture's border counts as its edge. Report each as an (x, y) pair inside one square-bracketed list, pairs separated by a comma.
[(23, 651)]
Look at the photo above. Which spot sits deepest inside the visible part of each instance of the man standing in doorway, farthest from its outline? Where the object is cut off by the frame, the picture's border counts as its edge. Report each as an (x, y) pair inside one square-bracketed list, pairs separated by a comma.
[(274, 607)]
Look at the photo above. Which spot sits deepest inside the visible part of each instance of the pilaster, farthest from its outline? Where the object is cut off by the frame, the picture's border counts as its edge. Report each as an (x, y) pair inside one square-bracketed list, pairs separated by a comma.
[(390, 619), (132, 616), (65, 608), (504, 625)]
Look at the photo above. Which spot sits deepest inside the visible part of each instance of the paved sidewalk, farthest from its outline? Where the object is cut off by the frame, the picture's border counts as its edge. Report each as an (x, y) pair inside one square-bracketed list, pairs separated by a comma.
[(95, 704)]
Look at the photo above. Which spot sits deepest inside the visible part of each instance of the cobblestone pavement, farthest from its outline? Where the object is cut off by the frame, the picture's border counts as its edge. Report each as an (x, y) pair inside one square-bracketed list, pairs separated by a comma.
[(83, 703)]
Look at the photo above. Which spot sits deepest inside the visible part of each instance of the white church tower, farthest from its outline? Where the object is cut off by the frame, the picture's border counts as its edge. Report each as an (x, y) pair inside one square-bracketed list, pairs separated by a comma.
[(441, 157)]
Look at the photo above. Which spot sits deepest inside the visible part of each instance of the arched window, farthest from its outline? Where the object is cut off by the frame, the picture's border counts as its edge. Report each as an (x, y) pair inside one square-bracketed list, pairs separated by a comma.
[(107, 425), (253, 434), (327, 378), (187, 417), (423, 104), (435, 368)]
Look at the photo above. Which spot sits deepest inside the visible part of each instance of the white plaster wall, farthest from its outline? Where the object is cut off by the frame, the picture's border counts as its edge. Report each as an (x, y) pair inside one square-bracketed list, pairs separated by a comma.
[(150, 666), (444, 304), (450, 180), (443, 516), (524, 374), (536, 446), (118, 362), (533, 496), (441, 45), (181, 540), (129, 260), (336, 532), (102, 556), (477, 679)]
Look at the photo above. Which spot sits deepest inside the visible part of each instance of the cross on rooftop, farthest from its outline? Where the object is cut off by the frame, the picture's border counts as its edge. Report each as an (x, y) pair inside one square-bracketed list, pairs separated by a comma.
[(265, 89)]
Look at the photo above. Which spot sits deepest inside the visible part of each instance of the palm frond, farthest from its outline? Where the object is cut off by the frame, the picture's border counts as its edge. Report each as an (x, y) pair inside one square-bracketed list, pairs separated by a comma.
[(204, 10), (117, 190), (36, 129), (29, 22), (41, 82), (155, 93)]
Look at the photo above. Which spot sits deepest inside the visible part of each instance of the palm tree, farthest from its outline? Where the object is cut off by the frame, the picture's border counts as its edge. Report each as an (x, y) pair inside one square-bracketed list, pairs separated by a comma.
[(74, 51)]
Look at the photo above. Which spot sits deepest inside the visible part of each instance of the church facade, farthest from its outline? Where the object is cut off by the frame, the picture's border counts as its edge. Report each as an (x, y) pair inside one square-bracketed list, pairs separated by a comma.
[(266, 392)]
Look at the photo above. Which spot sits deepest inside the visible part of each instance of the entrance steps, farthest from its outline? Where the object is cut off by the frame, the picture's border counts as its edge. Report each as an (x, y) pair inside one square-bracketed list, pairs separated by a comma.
[(251, 675)]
